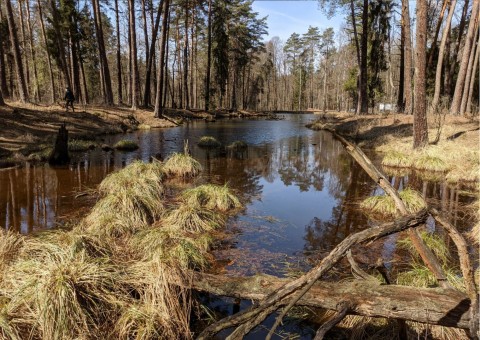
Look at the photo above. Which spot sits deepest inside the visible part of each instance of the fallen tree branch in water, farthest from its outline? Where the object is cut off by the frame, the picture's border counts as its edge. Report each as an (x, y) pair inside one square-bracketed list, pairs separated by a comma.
[(294, 290), (435, 306)]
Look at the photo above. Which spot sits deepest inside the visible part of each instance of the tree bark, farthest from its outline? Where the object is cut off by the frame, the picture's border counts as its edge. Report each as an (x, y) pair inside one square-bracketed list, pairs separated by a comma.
[(133, 55), (36, 92), (468, 109), (470, 74), (441, 55), (420, 128), (363, 99), (49, 59), (22, 87), (408, 58), (436, 306), (161, 63), (148, 72), (459, 86), (209, 56), (437, 30), (118, 55), (105, 71), (185, 59)]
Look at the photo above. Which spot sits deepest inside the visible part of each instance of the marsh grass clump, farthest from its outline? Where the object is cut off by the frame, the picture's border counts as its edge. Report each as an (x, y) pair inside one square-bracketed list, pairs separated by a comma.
[(172, 246), (126, 145), (132, 198), (79, 145), (192, 219), (209, 142), (430, 163), (395, 171), (238, 145), (213, 197), (397, 159), (384, 205), (182, 165), (10, 245)]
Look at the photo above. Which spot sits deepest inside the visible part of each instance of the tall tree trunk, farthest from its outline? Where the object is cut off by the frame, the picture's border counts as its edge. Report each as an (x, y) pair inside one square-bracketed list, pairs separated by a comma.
[(2, 102), (459, 86), (468, 109), (24, 47), (437, 30), (36, 92), (133, 54), (363, 99), (49, 59), (420, 128), (59, 42), (161, 62), (461, 28), (118, 55), (148, 72), (105, 71), (3, 65), (185, 59), (441, 54), (209, 56), (470, 75), (84, 80), (408, 58), (401, 82), (22, 87)]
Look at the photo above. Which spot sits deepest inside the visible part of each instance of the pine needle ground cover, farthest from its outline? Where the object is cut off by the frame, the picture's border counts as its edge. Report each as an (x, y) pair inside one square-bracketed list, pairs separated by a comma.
[(111, 276)]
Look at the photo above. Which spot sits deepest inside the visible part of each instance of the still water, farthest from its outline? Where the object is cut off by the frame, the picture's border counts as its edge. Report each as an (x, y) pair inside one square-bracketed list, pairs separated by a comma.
[(301, 190)]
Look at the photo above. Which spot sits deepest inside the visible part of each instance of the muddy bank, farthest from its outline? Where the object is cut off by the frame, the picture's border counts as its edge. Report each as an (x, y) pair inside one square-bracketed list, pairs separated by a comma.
[(28, 131)]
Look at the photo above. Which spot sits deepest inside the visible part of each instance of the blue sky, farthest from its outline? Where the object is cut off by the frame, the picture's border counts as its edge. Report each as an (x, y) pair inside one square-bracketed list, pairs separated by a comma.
[(288, 16)]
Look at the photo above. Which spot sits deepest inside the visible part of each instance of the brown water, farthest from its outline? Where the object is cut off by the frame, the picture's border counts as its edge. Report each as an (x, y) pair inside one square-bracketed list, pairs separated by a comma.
[(301, 189)]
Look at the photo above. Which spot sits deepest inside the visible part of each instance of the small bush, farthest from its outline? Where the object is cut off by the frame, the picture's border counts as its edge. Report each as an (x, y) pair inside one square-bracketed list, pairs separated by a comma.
[(126, 145), (209, 142)]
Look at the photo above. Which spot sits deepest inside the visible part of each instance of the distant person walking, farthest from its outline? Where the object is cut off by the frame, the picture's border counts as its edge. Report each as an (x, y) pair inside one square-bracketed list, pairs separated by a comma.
[(69, 98)]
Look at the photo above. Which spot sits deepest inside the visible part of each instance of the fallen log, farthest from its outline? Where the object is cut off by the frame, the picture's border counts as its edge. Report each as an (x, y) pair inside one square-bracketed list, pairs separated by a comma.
[(435, 306), (294, 290)]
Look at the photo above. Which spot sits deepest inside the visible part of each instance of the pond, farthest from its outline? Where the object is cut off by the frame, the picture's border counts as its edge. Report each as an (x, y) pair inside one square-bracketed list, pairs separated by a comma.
[(300, 188)]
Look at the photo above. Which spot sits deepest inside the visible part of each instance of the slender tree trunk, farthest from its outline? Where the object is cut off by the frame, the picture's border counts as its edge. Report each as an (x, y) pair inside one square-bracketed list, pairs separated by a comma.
[(461, 28), (437, 31), (161, 62), (185, 59), (148, 73), (36, 92), (49, 59), (441, 54), (470, 75), (3, 65), (2, 102), (401, 82), (133, 55), (22, 87), (209, 56), (24, 47), (459, 87), (408, 58), (363, 99), (420, 128), (55, 20), (118, 55), (468, 108), (84, 80), (105, 71)]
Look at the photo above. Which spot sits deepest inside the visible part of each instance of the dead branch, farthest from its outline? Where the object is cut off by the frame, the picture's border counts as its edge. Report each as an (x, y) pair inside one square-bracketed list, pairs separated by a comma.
[(358, 272), (466, 267), (301, 285), (343, 309)]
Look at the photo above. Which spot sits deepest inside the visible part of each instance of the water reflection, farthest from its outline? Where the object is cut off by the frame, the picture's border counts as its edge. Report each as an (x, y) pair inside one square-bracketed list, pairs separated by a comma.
[(300, 187)]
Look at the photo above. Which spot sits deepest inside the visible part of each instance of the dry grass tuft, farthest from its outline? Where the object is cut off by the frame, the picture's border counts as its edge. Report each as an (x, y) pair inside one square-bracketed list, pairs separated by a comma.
[(209, 142), (474, 234), (182, 165), (126, 145), (430, 163), (78, 145), (10, 245), (384, 206), (193, 219), (214, 197), (397, 159)]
